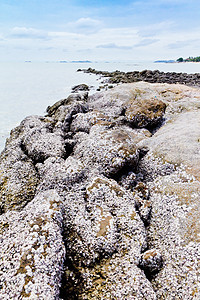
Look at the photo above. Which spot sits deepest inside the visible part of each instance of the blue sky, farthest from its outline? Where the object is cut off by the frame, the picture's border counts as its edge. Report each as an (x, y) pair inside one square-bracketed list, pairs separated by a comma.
[(99, 30)]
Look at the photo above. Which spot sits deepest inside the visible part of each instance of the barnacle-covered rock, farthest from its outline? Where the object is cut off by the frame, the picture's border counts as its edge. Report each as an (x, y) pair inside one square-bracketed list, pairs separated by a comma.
[(178, 143), (80, 87), (18, 177), (174, 227), (18, 183), (141, 107), (89, 192), (33, 250), (110, 149), (75, 103), (60, 174), (38, 140), (95, 223), (105, 237), (83, 122)]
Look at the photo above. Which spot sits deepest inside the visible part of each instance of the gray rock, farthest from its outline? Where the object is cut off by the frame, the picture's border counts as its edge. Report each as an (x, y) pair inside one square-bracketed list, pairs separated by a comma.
[(84, 193), (174, 229), (76, 97), (141, 110), (80, 87), (128, 181), (18, 183), (147, 76), (38, 140), (105, 237), (18, 176), (84, 122), (60, 174), (33, 250), (73, 110), (179, 143), (110, 149)]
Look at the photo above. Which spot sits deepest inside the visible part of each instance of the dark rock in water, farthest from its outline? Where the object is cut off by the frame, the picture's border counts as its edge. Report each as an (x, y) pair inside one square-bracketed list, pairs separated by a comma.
[(80, 87), (86, 190)]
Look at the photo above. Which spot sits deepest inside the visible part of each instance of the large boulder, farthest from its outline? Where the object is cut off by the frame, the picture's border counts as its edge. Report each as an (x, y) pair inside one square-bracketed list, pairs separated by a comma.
[(111, 149), (142, 107), (145, 113), (178, 141), (175, 226)]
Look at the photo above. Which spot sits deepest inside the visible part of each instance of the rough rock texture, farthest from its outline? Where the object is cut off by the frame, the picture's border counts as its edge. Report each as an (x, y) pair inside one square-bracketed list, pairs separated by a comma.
[(32, 250), (109, 150), (100, 198)]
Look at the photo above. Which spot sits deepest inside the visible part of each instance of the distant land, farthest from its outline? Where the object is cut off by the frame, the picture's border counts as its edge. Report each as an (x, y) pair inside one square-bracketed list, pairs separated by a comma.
[(189, 59), (75, 61), (64, 61), (180, 59), (165, 61)]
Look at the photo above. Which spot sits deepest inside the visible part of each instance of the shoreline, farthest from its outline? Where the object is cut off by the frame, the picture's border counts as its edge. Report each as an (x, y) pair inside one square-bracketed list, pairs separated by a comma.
[(150, 76)]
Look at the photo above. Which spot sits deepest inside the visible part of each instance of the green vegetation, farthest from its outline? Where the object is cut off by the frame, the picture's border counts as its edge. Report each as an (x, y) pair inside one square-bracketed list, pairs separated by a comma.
[(189, 59), (180, 59)]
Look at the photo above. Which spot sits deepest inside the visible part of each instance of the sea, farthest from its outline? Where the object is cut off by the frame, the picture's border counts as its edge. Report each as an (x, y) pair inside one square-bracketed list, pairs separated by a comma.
[(27, 88)]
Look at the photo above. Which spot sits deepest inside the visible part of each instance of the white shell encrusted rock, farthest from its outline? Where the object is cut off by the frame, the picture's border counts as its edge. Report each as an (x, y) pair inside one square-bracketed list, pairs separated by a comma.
[(100, 199), (32, 249)]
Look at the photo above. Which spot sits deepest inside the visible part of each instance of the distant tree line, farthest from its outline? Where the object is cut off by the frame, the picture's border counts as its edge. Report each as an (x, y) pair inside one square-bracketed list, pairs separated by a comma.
[(194, 59)]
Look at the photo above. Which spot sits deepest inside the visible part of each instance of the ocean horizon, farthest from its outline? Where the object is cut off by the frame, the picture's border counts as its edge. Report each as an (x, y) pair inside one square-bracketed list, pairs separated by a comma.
[(27, 88)]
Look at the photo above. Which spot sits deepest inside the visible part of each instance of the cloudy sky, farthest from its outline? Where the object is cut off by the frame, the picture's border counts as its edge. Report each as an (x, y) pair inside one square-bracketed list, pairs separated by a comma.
[(99, 29)]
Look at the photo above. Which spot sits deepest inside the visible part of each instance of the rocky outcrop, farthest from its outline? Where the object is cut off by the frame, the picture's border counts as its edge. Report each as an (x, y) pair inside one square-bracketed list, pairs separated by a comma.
[(80, 87), (155, 76), (100, 198)]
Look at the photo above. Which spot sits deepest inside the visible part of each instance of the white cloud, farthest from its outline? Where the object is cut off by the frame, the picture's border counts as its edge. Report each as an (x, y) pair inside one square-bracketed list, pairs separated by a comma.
[(114, 46), (64, 35), (28, 33), (106, 43), (185, 43), (146, 42), (85, 25), (156, 28)]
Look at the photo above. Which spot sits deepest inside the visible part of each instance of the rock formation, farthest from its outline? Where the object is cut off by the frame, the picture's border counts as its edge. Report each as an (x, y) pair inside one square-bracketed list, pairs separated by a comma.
[(116, 77), (100, 198)]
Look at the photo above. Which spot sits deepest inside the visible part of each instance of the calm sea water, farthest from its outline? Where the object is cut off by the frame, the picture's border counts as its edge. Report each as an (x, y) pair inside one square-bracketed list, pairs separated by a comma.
[(28, 88)]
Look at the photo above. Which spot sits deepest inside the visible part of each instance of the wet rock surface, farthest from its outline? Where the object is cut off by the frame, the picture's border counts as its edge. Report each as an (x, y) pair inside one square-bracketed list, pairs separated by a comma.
[(100, 198)]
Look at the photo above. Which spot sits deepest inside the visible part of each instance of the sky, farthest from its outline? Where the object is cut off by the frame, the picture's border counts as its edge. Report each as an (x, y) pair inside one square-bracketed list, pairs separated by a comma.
[(107, 30)]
